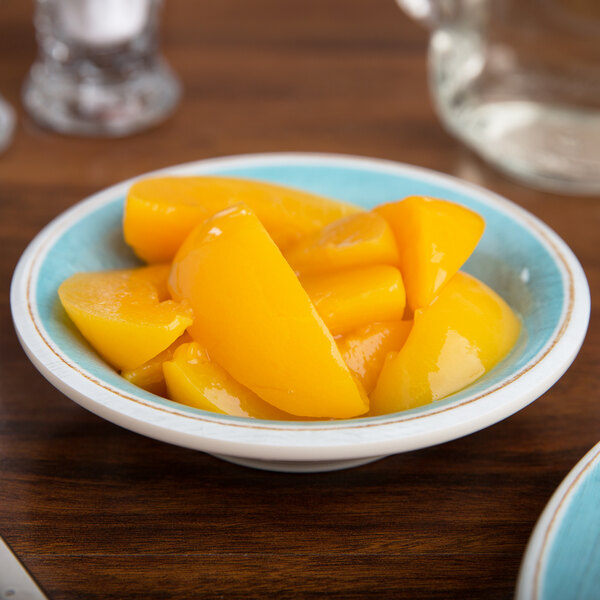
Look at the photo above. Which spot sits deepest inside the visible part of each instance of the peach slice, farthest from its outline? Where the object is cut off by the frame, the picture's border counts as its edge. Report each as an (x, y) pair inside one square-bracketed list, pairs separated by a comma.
[(349, 299), (149, 376), (194, 380), (157, 276), (161, 211), (353, 241), (256, 320), (364, 350), (465, 332), (434, 238), (120, 315)]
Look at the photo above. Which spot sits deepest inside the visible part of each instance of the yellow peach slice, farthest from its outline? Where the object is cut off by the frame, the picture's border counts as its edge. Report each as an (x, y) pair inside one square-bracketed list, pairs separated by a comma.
[(465, 332), (194, 380), (434, 238), (256, 320), (157, 276), (353, 241), (364, 350), (149, 376), (120, 315), (161, 211), (351, 298)]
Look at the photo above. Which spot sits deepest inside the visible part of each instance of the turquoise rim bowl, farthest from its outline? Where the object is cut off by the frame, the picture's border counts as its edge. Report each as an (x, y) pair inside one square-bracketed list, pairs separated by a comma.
[(518, 256)]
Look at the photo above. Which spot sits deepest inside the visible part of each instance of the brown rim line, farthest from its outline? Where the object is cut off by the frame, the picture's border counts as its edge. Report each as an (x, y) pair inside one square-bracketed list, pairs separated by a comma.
[(551, 525), (533, 223)]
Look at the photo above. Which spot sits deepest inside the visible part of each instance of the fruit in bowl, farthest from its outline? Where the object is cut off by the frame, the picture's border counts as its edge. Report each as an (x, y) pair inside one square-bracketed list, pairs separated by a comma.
[(280, 304), (518, 256)]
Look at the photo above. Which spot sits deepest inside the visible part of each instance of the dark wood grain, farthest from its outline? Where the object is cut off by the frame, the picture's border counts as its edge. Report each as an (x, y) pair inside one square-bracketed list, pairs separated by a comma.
[(95, 511)]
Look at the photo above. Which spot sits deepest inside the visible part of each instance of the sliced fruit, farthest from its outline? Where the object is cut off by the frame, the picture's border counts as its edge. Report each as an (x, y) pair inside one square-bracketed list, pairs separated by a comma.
[(356, 240), (120, 315), (256, 320), (465, 332), (149, 376), (349, 299), (434, 238), (161, 211), (157, 276), (364, 350), (194, 380)]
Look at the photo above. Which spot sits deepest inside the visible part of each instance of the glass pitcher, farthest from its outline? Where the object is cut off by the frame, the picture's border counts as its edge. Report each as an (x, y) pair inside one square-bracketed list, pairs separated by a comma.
[(519, 82)]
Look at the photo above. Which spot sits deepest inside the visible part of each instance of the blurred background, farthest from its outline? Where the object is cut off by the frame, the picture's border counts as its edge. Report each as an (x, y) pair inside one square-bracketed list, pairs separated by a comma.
[(338, 77)]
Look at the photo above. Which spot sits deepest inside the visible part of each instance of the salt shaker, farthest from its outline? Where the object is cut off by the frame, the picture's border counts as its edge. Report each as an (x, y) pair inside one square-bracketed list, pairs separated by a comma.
[(99, 71)]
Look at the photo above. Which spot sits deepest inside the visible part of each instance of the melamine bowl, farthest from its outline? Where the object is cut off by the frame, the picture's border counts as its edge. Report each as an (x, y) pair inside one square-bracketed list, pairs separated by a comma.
[(519, 256)]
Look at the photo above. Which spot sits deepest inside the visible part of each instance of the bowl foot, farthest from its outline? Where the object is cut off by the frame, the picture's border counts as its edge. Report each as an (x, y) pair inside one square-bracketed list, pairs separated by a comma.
[(291, 466)]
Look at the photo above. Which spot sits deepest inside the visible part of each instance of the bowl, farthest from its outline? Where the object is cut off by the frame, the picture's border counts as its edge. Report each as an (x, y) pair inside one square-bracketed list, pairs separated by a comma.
[(562, 559), (518, 256)]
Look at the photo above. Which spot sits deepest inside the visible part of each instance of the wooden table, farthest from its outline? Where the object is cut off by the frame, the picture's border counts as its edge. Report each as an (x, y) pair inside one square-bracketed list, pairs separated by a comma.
[(95, 511)]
